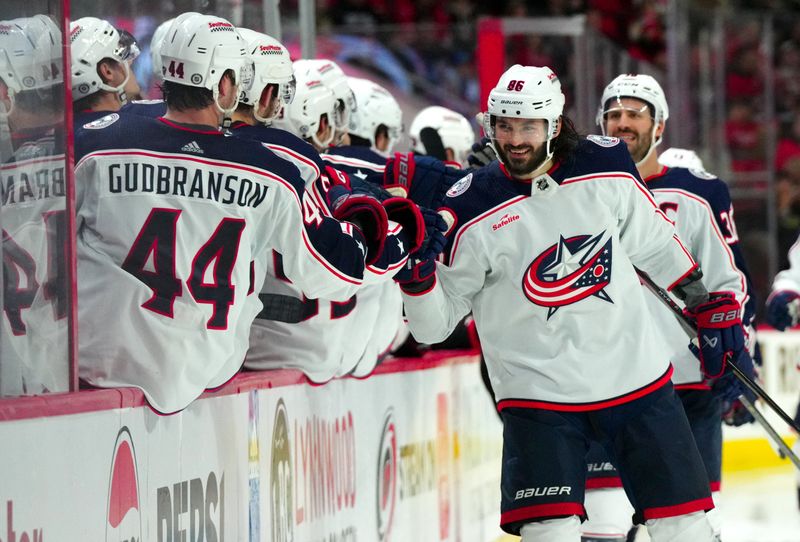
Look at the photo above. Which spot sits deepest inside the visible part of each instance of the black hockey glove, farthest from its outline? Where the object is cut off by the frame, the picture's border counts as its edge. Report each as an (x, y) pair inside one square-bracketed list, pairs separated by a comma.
[(782, 310), (404, 212), (482, 154)]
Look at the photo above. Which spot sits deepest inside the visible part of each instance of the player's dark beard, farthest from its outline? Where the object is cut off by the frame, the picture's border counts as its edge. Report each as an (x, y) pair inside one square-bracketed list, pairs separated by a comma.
[(640, 146), (520, 167)]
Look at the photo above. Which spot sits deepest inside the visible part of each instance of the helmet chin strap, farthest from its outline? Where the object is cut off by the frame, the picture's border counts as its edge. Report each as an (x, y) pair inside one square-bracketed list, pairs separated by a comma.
[(653, 144), (119, 90), (227, 114)]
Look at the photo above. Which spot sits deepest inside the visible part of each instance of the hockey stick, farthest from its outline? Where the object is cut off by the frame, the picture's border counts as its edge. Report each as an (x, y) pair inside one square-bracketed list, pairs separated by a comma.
[(690, 330), (783, 449)]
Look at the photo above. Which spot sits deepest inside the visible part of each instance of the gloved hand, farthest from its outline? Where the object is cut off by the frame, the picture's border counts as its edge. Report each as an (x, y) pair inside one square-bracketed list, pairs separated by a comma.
[(728, 387), (735, 414), (422, 179), (435, 229), (719, 332), (416, 276), (482, 154), (364, 212), (404, 212), (782, 309)]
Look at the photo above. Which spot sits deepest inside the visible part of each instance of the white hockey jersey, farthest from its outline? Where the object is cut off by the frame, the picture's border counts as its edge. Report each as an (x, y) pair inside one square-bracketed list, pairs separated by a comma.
[(688, 198), (171, 223), (547, 269), (789, 279), (34, 343)]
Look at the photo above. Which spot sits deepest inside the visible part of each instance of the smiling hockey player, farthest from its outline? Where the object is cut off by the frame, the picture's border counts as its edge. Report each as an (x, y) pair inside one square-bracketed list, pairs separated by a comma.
[(542, 250)]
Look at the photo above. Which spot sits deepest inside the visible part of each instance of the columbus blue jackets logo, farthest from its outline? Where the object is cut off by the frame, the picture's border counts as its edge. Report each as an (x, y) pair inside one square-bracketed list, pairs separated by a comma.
[(569, 271)]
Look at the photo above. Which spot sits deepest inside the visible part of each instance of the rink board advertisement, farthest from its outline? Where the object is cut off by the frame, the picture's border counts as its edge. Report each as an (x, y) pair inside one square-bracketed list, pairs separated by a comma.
[(405, 454)]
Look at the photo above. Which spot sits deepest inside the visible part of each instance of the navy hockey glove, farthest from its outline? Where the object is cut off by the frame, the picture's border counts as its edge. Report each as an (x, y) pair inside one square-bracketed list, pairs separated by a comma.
[(728, 387), (482, 154), (416, 276), (719, 332), (367, 214), (782, 309), (366, 188), (404, 212), (422, 179), (435, 240)]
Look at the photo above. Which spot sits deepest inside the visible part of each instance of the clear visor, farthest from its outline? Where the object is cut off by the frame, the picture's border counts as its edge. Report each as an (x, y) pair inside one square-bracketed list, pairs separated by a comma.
[(245, 77), (516, 132), (288, 90), (616, 108), (341, 115), (127, 49)]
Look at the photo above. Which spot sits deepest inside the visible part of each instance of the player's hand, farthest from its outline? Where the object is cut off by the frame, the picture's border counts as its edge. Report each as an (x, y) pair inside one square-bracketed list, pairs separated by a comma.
[(404, 212), (422, 179), (368, 215), (782, 309), (719, 332), (482, 154), (735, 414), (728, 387), (417, 275)]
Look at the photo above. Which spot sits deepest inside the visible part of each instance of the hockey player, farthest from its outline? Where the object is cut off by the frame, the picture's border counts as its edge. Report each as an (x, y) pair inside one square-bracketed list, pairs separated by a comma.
[(173, 216), (634, 109), (100, 68), (33, 333), (318, 342), (442, 133), (377, 121), (783, 312), (335, 80), (542, 250)]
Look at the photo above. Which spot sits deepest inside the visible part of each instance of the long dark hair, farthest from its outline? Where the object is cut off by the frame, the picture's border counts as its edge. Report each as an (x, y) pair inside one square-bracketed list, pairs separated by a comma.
[(566, 142)]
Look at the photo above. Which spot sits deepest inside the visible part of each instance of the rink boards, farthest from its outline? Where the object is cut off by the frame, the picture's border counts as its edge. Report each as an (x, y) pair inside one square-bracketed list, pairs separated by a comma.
[(411, 453)]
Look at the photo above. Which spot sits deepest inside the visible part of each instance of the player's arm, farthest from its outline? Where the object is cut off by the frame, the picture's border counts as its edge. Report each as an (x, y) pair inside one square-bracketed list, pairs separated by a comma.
[(783, 304), (434, 312)]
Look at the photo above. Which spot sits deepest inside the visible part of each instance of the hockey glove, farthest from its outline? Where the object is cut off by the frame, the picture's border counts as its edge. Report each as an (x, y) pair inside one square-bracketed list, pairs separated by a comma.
[(782, 309), (482, 154), (735, 414), (367, 214), (404, 212), (367, 188), (422, 179), (719, 332), (435, 240), (416, 276), (728, 387)]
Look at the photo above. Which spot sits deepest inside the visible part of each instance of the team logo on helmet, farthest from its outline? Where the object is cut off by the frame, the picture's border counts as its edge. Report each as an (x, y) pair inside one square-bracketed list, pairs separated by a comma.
[(603, 141), (569, 271), (460, 186)]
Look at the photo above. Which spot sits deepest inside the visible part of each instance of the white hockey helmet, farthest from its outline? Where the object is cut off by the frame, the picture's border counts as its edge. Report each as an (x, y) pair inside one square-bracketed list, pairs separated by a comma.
[(155, 46), (312, 100), (334, 78), (675, 157), (375, 107), (91, 41), (453, 128), (639, 86), (526, 92), (271, 65), (30, 55), (199, 49)]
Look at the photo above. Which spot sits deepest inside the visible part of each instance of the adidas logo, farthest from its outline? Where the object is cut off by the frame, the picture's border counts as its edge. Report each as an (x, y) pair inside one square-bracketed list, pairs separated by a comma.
[(192, 147)]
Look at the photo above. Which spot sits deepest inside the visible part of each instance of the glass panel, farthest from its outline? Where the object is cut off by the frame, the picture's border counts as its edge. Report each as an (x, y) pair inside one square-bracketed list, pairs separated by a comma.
[(34, 338)]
